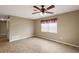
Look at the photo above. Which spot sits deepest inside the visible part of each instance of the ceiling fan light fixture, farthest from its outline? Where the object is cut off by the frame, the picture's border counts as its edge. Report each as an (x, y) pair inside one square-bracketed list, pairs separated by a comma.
[(42, 14)]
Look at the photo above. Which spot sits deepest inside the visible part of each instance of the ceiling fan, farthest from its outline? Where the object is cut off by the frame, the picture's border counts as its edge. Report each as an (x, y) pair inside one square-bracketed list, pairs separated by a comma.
[(43, 10)]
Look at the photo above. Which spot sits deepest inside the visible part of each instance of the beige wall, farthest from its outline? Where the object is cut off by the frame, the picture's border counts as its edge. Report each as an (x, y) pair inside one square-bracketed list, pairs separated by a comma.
[(20, 28), (3, 28), (68, 29)]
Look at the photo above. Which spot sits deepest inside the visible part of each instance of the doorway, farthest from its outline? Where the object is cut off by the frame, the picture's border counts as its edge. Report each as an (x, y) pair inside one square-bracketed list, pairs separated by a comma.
[(4, 30)]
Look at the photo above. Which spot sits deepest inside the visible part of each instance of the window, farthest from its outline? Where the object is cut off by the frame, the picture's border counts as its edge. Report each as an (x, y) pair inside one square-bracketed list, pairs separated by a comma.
[(50, 27)]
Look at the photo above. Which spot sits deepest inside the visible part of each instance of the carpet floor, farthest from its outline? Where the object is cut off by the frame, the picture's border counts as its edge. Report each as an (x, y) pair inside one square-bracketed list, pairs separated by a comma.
[(35, 45)]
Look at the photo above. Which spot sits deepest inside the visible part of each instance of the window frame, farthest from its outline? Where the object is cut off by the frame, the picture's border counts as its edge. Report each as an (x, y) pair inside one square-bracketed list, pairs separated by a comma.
[(49, 27)]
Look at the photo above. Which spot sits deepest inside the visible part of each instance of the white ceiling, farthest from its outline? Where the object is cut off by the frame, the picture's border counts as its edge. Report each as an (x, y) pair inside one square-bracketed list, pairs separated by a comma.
[(27, 10)]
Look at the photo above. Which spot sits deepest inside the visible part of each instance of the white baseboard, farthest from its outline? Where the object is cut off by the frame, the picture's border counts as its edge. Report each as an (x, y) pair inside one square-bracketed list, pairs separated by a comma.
[(18, 38), (59, 41)]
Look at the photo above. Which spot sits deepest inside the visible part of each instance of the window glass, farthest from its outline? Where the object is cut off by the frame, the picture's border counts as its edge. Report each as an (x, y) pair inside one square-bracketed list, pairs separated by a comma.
[(49, 27), (53, 27)]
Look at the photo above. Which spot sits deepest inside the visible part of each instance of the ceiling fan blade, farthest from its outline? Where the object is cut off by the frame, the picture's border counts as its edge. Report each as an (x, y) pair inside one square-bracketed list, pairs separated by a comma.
[(49, 12), (35, 12), (52, 6), (36, 7)]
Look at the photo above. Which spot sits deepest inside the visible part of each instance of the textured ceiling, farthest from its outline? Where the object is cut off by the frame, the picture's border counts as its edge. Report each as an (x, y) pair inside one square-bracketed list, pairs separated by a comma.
[(27, 10)]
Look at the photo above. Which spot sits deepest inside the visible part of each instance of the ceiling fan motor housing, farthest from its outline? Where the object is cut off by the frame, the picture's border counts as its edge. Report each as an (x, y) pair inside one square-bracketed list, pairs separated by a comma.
[(43, 9)]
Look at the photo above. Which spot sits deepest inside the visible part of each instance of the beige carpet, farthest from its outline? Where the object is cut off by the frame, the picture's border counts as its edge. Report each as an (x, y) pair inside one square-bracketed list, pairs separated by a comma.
[(34, 45)]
